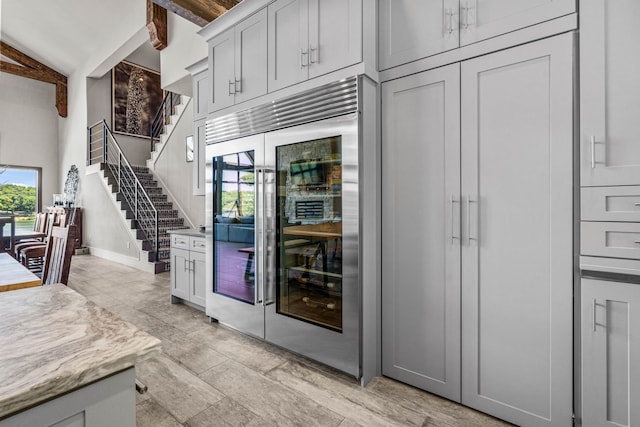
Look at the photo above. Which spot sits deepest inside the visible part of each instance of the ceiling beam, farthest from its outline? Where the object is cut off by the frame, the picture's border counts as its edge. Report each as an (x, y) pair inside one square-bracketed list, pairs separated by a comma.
[(200, 12), (157, 25), (32, 69)]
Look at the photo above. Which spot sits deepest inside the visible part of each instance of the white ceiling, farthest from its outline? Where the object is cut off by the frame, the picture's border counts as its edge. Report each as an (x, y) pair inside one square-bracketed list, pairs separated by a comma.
[(63, 34)]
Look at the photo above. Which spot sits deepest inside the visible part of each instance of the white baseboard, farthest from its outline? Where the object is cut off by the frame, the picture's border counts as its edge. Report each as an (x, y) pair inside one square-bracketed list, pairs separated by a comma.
[(123, 259)]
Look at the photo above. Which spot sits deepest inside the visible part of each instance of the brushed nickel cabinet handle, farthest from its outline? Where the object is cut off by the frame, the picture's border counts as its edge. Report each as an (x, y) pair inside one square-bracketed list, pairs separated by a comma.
[(453, 201), (469, 201), (592, 147), (317, 55), (303, 54), (594, 315), (232, 83)]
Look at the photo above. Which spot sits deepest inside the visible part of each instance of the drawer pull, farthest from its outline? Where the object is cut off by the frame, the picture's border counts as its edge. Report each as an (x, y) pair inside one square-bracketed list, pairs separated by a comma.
[(637, 204), (180, 242)]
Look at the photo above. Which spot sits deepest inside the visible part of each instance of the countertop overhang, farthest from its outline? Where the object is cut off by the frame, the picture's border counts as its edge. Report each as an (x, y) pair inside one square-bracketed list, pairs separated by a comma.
[(53, 341)]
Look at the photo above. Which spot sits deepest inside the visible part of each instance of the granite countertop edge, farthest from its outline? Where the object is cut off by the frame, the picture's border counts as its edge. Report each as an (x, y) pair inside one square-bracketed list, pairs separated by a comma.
[(187, 232), (102, 353)]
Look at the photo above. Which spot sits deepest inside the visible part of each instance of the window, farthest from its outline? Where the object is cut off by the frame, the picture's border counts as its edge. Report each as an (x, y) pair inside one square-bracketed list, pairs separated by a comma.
[(20, 194)]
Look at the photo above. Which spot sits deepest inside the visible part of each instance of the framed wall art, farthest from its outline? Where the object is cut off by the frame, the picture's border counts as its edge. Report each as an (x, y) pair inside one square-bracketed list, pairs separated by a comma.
[(136, 97)]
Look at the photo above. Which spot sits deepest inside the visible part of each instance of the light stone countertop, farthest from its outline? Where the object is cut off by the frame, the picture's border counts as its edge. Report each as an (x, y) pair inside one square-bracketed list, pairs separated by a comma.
[(187, 232), (53, 340)]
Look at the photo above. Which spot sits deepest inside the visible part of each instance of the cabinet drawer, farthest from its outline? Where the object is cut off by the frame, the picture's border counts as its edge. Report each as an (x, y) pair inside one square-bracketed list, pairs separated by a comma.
[(198, 244), (610, 203), (179, 241), (611, 239)]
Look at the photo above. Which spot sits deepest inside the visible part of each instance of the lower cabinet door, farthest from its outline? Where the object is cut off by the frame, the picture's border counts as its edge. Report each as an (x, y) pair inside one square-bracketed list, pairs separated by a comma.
[(610, 332), (197, 288), (180, 272)]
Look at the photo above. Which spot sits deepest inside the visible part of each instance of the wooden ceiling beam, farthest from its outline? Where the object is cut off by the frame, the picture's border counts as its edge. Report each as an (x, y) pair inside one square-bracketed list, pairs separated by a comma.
[(157, 25), (200, 12), (32, 69)]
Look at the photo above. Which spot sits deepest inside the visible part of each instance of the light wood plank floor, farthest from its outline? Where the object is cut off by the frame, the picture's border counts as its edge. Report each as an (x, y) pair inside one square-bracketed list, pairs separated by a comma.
[(210, 375)]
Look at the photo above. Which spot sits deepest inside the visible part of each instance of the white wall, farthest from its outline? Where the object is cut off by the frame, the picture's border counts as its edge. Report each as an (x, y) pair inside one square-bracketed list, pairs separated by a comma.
[(29, 130), (185, 47), (104, 232), (176, 174)]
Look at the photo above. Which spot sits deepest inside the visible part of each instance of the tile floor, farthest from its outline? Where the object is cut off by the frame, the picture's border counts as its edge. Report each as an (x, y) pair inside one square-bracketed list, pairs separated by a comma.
[(209, 375)]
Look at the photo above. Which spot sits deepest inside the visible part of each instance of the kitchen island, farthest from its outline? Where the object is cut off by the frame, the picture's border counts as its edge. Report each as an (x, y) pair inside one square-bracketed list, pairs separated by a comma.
[(64, 361)]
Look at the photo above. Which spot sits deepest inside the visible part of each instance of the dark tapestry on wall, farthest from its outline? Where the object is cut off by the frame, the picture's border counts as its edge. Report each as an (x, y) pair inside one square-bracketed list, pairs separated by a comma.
[(136, 96)]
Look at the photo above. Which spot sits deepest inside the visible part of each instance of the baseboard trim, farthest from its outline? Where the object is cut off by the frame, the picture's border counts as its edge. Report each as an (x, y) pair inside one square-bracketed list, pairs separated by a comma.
[(129, 261)]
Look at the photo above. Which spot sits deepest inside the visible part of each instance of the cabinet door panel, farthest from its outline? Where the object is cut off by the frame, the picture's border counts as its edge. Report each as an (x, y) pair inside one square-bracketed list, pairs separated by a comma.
[(421, 270), (198, 280), (335, 35), (517, 274), (199, 155), (483, 19), (610, 89), (221, 71), (180, 273), (410, 30), (610, 334), (288, 43), (251, 57), (200, 95)]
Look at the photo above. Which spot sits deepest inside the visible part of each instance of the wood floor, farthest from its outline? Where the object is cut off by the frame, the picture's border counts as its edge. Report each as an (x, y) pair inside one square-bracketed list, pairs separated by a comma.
[(209, 375)]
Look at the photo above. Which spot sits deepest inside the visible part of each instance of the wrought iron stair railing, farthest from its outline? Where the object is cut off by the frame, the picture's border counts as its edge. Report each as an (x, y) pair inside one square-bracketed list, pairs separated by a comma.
[(102, 147), (161, 119)]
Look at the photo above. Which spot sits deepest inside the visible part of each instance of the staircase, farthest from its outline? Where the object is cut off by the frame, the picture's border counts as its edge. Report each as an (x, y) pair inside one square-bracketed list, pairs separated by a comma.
[(145, 208)]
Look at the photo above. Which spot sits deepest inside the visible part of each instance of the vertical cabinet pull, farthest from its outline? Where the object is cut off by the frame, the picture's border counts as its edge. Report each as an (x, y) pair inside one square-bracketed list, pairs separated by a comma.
[(452, 202), (303, 55), (594, 315), (232, 84), (186, 265), (237, 86), (465, 13), (313, 49), (592, 149), (448, 19), (469, 202)]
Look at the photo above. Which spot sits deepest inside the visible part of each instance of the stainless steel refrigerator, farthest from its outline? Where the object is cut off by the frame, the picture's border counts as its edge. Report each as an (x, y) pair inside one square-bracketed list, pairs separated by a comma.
[(283, 223)]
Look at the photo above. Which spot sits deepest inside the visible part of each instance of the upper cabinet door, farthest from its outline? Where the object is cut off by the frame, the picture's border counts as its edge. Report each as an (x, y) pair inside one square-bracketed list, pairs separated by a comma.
[(335, 35), (251, 57), (483, 19), (221, 71), (609, 93), (288, 43), (410, 30), (200, 95)]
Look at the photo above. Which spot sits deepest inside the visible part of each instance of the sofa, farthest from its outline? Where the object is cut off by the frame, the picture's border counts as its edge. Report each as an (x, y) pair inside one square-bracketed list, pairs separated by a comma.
[(237, 230)]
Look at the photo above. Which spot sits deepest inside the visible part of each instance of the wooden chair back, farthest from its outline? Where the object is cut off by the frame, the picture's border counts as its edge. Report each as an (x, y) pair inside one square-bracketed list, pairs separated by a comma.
[(57, 258), (40, 225)]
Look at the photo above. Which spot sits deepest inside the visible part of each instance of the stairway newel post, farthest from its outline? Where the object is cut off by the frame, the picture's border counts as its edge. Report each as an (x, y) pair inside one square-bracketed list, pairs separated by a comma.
[(104, 141), (120, 172)]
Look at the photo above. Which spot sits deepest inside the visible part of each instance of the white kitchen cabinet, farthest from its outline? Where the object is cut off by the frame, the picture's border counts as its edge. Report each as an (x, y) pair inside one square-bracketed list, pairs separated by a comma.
[(483, 19), (517, 277), (200, 95), (188, 268), (413, 29), (507, 216), (421, 296), (238, 63), (309, 38), (609, 93), (199, 153), (410, 30), (610, 341)]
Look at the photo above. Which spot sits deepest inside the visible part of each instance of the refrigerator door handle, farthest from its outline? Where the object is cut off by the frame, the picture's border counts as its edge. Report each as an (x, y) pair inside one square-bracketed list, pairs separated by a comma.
[(259, 274), (268, 200)]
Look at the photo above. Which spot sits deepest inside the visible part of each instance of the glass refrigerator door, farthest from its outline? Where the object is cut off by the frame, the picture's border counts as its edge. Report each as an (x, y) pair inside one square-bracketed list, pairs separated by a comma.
[(234, 204), (311, 193), (309, 223)]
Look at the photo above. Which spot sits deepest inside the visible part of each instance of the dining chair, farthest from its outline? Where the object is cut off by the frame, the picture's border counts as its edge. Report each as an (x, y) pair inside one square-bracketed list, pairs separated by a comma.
[(57, 258), (31, 254)]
